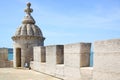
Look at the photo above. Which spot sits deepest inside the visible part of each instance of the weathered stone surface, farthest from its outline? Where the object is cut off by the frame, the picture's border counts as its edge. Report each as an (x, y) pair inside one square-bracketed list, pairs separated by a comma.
[(98, 75), (75, 56), (4, 54), (4, 64), (54, 54), (36, 65), (4, 58), (59, 71), (72, 73), (39, 54), (43, 67), (86, 73), (47, 58), (106, 60)]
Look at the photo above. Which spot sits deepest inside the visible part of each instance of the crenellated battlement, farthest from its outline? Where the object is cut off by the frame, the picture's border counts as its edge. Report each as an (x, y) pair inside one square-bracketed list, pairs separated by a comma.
[(71, 61), (63, 61)]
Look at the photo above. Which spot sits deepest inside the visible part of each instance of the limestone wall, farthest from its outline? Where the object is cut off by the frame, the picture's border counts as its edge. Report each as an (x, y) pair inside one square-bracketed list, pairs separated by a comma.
[(47, 59), (107, 60), (4, 54), (4, 58), (64, 62), (54, 54), (86, 73), (39, 59), (76, 56), (39, 54), (4, 64)]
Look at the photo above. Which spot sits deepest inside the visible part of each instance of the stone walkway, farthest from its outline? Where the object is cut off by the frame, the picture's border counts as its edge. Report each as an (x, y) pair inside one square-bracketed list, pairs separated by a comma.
[(23, 74)]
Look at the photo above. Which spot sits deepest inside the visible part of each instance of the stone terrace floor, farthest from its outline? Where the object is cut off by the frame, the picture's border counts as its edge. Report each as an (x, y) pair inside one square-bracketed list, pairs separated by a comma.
[(23, 74)]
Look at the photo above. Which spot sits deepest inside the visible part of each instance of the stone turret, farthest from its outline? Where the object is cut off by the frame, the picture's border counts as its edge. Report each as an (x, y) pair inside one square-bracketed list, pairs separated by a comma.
[(26, 37)]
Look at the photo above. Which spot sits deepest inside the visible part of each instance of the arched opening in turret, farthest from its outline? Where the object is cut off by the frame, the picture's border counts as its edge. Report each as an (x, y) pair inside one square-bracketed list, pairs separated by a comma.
[(18, 57)]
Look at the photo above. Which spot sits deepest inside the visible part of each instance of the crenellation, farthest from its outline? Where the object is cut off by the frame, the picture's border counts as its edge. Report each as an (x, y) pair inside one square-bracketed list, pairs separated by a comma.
[(62, 60), (106, 60), (76, 60), (86, 73)]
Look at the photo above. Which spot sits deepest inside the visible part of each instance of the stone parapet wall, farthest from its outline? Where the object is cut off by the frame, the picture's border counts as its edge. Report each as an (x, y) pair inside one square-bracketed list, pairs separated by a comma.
[(107, 60), (86, 73), (4, 58), (4, 54), (54, 54), (76, 56), (64, 62), (40, 54), (4, 64)]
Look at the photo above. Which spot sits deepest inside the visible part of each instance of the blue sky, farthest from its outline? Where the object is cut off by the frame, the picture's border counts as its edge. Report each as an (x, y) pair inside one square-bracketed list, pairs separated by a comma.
[(63, 21)]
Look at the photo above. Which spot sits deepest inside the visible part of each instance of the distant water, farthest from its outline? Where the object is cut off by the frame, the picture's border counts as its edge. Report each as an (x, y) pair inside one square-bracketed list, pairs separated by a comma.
[(10, 57), (10, 54), (91, 59)]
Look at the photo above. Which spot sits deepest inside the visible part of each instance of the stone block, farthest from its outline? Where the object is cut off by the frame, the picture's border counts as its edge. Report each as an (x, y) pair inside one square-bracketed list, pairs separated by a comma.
[(39, 54), (54, 54), (72, 60), (51, 55), (59, 71), (43, 67), (4, 54), (71, 73), (50, 69), (98, 75), (11, 63), (107, 60), (4, 64), (36, 65), (36, 53), (107, 45), (77, 55), (86, 73)]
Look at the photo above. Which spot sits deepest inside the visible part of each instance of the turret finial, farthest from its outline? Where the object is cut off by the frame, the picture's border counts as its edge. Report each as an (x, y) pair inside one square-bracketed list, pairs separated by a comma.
[(28, 10), (28, 19)]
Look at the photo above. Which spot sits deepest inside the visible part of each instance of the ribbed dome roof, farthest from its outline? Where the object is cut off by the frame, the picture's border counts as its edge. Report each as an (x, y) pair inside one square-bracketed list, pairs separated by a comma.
[(28, 27)]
